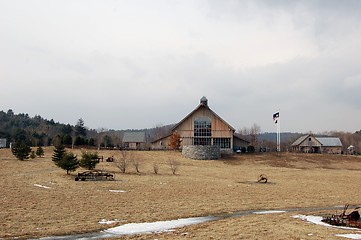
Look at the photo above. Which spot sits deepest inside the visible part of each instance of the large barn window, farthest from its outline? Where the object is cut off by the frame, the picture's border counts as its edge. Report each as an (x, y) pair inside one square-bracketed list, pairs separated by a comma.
[(202, 131), (222, 142)]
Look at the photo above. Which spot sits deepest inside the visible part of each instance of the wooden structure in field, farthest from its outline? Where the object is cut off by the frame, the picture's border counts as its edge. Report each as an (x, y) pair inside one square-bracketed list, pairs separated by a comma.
[(134, 141), (311, 144), (203, 127)]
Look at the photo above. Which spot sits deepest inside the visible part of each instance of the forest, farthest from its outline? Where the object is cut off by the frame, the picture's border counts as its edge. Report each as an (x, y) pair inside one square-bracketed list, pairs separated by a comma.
[(38, 131)]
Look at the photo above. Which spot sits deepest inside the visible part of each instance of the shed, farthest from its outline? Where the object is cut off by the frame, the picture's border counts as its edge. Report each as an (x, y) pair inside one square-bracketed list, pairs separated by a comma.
[(134, 140), (311, 144)]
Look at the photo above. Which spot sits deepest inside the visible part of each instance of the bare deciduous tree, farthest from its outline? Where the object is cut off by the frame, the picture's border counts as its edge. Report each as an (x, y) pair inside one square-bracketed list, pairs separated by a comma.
[(173, 165), (136, 164), (123, 163), (251, 134), (155, 168)]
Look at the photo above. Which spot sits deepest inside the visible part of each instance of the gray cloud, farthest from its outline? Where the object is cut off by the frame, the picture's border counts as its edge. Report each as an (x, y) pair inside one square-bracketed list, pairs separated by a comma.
[(134, 64)]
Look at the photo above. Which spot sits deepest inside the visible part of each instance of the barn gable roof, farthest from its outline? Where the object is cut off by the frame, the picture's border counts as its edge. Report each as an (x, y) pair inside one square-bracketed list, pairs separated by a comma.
[(134, 137), (300, 140), (324, 141), (203, 104), (240, 138), (330, 141)]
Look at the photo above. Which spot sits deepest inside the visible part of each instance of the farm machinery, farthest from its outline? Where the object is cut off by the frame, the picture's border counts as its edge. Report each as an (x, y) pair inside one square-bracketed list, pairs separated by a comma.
[(347, 220), (94, 175)]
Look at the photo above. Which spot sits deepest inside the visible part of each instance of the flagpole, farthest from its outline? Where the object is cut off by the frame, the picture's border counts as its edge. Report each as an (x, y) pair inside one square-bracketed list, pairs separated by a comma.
[(276, 119), (278, 135)]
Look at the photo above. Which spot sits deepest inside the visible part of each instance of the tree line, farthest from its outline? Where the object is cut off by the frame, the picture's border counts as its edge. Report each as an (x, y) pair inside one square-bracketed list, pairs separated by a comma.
[(37, 131)]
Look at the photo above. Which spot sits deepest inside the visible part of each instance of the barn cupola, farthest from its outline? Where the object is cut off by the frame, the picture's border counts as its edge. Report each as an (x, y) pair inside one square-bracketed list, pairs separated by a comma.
[(204, 101)]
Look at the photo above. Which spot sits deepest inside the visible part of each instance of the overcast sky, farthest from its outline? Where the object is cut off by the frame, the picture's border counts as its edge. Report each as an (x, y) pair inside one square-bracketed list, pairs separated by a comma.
[(140, 63)]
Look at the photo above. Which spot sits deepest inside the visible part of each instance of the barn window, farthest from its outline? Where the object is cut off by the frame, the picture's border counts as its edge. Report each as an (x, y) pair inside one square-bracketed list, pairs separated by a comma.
[(222, 142), (202, 131)]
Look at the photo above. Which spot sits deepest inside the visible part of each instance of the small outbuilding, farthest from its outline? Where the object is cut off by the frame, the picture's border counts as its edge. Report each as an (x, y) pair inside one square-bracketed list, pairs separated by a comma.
[(311, 144), (134, 141)]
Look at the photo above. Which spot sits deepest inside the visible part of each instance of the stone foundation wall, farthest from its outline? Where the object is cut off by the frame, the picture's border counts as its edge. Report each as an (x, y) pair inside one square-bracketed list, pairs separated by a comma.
[(202, 152)]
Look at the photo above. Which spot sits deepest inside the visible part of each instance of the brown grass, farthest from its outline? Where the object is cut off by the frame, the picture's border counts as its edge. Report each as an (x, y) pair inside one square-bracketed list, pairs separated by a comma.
[(199, 188)]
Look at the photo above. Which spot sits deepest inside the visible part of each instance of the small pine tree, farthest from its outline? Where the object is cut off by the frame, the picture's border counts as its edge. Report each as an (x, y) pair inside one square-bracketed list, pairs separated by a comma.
[(39, 151), (21, 150), (32, 155), (89, 160), (59, 153), (69, 162)]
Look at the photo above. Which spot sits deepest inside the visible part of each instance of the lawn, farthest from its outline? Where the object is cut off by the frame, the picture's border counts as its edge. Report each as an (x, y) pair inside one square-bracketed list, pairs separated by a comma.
[(39, 199)]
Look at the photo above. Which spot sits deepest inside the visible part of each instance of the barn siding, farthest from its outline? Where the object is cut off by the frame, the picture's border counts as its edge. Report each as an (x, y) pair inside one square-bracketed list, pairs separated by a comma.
[(185, 128)]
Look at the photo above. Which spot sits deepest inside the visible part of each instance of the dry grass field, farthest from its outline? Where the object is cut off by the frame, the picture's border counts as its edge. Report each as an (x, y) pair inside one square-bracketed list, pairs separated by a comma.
[(199, 188)]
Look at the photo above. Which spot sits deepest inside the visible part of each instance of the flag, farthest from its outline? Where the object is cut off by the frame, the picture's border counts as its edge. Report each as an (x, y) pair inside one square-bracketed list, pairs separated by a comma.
[(276, 116)]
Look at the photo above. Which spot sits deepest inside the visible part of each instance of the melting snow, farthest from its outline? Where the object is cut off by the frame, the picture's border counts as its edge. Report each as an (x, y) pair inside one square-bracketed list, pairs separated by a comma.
[(160, 226), (351, 236), (117, 191), (317, 220), (41, 186), (104, 221), (269, 212)]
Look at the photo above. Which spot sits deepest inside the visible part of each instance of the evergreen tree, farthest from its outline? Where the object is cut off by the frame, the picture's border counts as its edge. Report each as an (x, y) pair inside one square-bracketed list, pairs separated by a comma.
[(79, 141), (89, 160), (69, 162), (21, 150), (67, 139), (59, 153), (91, 142), (39, 151), (80, 130), (32, 155)]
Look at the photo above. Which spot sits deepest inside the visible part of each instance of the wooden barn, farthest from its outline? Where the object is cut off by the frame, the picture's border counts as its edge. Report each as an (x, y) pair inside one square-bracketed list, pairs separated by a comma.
[(134, 141), (204, 127), (311, 144)]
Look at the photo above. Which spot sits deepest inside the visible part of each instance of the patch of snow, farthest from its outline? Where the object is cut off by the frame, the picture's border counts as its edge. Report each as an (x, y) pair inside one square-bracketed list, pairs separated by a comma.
[(117, 191), (41, 186), (269, 212), (160, 226), (317, 220), (104, 221), (350, 236)]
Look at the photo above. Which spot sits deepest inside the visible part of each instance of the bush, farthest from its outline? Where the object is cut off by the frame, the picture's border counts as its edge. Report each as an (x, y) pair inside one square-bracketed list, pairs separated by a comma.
[(69, 162), (123, 163), (136, 165), (21, 150), (155, 168), (39, 151), (250, 149), (173, 166), (89, 160)]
